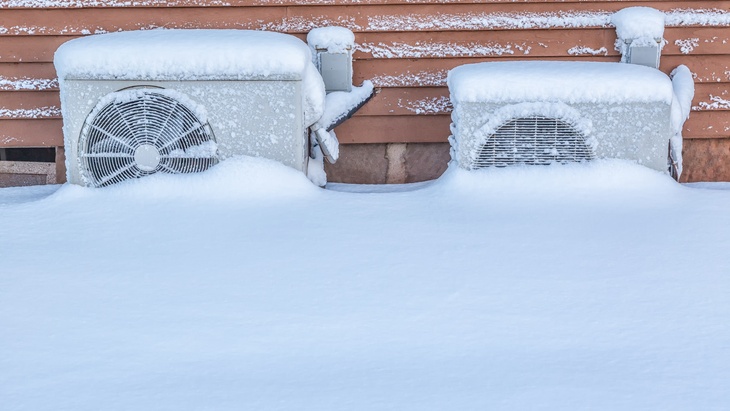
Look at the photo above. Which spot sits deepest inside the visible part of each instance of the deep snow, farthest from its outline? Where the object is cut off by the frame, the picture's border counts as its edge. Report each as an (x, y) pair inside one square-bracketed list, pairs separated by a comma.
[(566, 81), (601, 286)]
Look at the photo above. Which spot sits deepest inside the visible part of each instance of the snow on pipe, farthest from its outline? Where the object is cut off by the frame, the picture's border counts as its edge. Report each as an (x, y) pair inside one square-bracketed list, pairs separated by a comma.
[(640, 32), (684, 90), (332, 49)]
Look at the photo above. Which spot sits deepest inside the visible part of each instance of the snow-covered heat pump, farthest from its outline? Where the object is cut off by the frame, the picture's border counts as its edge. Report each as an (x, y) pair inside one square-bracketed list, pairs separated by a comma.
[(530, 113), (177, 101), (332, 49), (640, 32)]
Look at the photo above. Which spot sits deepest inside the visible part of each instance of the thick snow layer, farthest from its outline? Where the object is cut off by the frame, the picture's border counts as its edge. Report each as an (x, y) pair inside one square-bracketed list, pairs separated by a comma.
[(599, 287), (184, 55), (638, 27), (332, 39), (339, 104), (684, 91), (570, 82), (639, 22)]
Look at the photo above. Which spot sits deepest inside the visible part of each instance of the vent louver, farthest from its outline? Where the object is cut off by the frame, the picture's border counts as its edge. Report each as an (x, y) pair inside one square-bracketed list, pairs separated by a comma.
[(138, 132), (533, 141)]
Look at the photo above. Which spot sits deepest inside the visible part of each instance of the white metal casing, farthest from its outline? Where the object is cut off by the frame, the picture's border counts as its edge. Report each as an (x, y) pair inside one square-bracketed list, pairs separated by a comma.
[(635, 131), (261, 118), (336, 70), (620, 111)]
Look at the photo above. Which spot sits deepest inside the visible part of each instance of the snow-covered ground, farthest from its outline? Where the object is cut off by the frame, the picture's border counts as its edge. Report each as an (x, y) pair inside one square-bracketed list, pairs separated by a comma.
[(601, 286)]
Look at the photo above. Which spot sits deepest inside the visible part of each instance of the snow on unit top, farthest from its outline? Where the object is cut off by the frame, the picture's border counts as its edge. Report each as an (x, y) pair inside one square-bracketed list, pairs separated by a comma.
[(333, 39), (194, 55), (570, 82), (184, 55)]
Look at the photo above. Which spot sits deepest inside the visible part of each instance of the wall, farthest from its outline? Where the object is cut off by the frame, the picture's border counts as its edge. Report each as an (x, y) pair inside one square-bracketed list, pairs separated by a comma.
[(404, 47)]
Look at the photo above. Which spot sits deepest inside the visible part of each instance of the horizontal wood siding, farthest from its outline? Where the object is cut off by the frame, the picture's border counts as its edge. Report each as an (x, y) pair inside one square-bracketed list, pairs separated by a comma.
[(405, 47)]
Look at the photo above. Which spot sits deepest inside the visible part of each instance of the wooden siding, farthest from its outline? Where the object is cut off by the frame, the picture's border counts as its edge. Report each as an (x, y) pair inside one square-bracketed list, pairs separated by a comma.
[(406, 47)]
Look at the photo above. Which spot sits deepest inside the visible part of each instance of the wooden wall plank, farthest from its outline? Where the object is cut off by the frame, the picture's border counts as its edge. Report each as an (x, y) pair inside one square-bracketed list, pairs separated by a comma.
[(394, 129), (389, 101), (537, 44), (31, 133), (300, 19), (12, 100), (68, 4), (432, 72), (708, 124)]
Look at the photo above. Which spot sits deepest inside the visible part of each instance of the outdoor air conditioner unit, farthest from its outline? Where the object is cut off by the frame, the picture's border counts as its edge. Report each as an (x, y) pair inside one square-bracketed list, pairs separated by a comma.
[(529, 113), (177, 101)]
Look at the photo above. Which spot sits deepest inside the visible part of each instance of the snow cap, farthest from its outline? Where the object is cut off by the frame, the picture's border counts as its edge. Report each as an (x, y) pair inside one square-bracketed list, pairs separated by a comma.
[(569, 82), (184, 55), (639, 22), (333, 39)]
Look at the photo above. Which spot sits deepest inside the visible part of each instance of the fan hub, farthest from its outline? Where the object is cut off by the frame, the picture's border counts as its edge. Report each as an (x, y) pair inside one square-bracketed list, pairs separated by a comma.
[(147, 157)]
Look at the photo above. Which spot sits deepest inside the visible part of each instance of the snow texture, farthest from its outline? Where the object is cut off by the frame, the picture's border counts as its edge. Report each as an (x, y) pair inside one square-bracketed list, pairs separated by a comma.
[(570, 82), (698, 17), (684, 90), (315, 167), (436, 78), (340, 103), (488, 21), (584, 50), (421, 50), (184, 55), (39, 112), (105, 3), (687, 46), (716, 103), (600, 286), (331, 39), (208, 149), (429, 105), (638, 22), (146, 94), (27, 83)]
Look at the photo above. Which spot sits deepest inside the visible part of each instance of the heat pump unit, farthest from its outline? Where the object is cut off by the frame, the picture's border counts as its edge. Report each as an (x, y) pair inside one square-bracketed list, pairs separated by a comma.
[(537, 113), (179, 101)]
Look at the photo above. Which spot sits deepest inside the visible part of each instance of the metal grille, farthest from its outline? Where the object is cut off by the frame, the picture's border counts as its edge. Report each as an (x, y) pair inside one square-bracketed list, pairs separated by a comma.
[(533, 141), (143, 133)]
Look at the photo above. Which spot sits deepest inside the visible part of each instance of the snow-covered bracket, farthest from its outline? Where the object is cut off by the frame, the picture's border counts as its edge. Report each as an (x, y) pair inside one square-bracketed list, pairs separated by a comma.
[(640, 32), (332, 49)]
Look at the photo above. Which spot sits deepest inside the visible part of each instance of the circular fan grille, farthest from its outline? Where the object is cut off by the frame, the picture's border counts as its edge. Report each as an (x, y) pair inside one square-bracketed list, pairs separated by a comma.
[(533, 141), (138, 132)]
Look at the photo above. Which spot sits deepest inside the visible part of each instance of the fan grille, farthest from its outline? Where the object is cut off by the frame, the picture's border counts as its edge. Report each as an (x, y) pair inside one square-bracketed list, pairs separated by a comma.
[(142, 132), (533, 141)]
